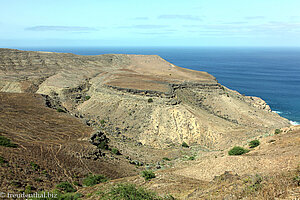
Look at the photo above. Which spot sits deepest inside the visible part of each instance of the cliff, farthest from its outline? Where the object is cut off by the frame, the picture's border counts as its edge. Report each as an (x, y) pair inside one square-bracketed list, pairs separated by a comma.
[(188, 106)]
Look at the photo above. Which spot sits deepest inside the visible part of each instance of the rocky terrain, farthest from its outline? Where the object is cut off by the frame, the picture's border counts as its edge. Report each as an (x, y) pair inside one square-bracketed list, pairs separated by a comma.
[(67, 112)]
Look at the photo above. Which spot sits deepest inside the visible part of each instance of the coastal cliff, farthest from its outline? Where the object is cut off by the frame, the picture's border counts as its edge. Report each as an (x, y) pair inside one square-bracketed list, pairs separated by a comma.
[(152, 101)]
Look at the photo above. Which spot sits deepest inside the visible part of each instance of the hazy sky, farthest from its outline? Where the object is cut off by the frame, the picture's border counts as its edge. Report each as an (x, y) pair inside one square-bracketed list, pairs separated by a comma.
[(149, 23)]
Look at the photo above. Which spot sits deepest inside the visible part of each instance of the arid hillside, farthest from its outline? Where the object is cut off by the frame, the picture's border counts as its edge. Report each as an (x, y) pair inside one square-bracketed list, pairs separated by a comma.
[(154, 102), (269, 171), (48, 147), (65, 116)]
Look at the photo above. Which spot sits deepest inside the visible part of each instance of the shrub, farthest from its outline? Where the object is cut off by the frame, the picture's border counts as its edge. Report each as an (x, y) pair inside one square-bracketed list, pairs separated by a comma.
[(93, 180), (150, 100), (66, 187), (57, 195), (192, 158), (87, 98), (76, 183), (28, 189), (70, 196), (254, 143), (277, 131), (167, 159), (148, 174), (102, 121), (184, 144), (256, 183), (115, 151), (131, 191), (103, 145), (35, 166), (237, 151), (6, 142), (297, 180), (2, 160), (60, 110)]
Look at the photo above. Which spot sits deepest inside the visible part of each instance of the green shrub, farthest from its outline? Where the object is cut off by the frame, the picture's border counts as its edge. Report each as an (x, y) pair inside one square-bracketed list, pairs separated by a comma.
[(60, 110), (2, 160), (150, 100), (28, 189), (103, 145), (115, 151), (167, 159), (130, 192), (6, 142), (93, 180), (184, 144), (237, 151), (192, 158), (87, 98), (66, 187), (70, 196), (148, 174), (254, 143), (57, 195), (35, 166), (76, 183), (38, 180), (102, 121), (297, 180), (277, 131)]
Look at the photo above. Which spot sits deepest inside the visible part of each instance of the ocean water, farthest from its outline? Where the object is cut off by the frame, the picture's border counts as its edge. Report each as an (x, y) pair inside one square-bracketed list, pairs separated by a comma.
[(270, 73)]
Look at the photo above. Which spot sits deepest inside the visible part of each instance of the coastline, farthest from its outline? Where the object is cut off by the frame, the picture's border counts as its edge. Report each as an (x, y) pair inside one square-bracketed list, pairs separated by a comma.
[(233, 67), (294, 123)]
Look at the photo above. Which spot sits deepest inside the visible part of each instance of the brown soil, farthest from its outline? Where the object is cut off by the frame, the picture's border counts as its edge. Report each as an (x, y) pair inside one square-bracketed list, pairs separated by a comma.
[(56, 142)]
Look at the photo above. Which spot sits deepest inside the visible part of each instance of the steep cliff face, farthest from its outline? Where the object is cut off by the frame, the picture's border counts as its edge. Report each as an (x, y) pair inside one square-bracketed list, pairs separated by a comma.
[(153, 101)]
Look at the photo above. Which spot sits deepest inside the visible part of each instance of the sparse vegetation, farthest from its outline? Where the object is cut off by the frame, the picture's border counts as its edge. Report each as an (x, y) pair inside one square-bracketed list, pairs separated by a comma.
[(6, 142), (76, 183), (28, 189), (103, 145), (237, 151), (38, 180), (184, 144), (277, 131), (192, 158), (102, 121), (93, 180), (150, 100), (296, 179), (148, 174), (115, 151), (57, 195), (256, 183), (167, 159), (35, 166), (2, 160), (131, 192), (60, 110), (254, 143), (87, 98), (66, 187)]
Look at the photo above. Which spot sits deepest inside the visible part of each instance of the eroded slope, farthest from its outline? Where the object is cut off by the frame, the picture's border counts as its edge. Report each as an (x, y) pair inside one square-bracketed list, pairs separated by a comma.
[(188, 106)]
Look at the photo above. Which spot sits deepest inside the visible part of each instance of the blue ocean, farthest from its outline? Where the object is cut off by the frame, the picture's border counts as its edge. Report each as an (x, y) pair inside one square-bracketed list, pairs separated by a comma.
[(270, 73)]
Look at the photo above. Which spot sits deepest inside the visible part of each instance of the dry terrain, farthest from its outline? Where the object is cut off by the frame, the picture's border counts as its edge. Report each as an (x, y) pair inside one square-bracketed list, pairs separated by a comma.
[(57, 109)]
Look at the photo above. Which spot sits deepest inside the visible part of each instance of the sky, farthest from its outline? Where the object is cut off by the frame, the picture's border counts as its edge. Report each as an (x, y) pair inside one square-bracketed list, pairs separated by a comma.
[(149, 23)]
